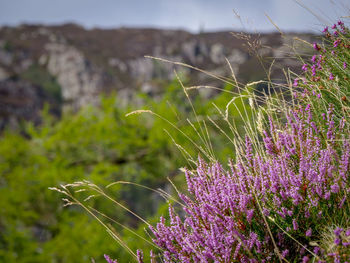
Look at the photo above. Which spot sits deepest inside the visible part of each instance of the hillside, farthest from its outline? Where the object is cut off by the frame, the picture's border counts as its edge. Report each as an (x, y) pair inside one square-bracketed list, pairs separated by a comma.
[(71, 66)]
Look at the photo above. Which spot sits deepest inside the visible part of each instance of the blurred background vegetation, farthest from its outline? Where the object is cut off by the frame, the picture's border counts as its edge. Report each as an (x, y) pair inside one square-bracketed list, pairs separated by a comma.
[(101, 145)]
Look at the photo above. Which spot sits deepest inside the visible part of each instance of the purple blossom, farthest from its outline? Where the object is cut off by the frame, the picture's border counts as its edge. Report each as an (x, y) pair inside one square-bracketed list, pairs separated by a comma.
[(337, 241), (308, 233), (336, 43), (304, 67), (347, 233), (331, 76), (109, 260), (305, 259), (139, 256), (285, 253), (295, 224), (335, 188), (316, 250), (345, 65), (295, 83), (338, 231), (313, 58), (250, 214), (316, 47)]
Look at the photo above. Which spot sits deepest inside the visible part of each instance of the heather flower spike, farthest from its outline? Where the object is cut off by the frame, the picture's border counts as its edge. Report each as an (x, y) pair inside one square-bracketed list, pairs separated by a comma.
[(109, 260)]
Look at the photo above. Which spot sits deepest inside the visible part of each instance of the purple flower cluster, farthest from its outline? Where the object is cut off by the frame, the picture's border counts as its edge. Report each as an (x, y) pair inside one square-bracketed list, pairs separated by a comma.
[(242, 215), (322, 66)]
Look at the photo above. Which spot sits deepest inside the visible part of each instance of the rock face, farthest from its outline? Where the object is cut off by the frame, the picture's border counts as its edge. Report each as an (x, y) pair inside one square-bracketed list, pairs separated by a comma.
[(80, 82), (20, 100), (86, 63)]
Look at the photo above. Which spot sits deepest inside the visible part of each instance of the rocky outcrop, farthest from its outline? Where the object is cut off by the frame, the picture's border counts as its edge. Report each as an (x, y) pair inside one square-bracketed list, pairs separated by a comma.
[(86, 63), (80, 81)]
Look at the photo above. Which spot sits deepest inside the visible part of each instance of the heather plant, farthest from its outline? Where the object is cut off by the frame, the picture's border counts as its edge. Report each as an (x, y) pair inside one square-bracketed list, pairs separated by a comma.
[(326, 78), (265, 208), (283, 197), (286, 201)]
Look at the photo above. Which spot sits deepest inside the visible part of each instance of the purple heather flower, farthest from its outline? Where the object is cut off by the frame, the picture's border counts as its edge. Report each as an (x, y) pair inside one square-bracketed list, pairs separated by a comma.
[(250, 214), (313, 58), (336, 33), (285, 253), (325, 30), (336, 43), (340, 23), (308, 233), (345, 65), (266, 212), (307, 213), (109, 260), (327, 195), (304, 67), (295, 224), (313, 69), (338, 231), (331, 76), (316, 47), (347, 233), (139, 256), (334, 26), (337, 241), (295, 83), (335, 188), (305, 259), (316, 250)]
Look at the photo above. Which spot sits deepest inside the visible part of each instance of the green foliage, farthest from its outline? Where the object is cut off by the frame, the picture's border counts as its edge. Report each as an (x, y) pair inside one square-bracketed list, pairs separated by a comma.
[(100, 145)]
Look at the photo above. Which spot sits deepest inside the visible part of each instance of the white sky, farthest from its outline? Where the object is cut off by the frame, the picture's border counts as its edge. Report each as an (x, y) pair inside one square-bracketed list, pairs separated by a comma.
[(186, 14)]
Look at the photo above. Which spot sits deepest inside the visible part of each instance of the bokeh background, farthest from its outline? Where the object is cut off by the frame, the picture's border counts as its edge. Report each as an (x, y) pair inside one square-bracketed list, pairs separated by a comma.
[(71, 70)]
